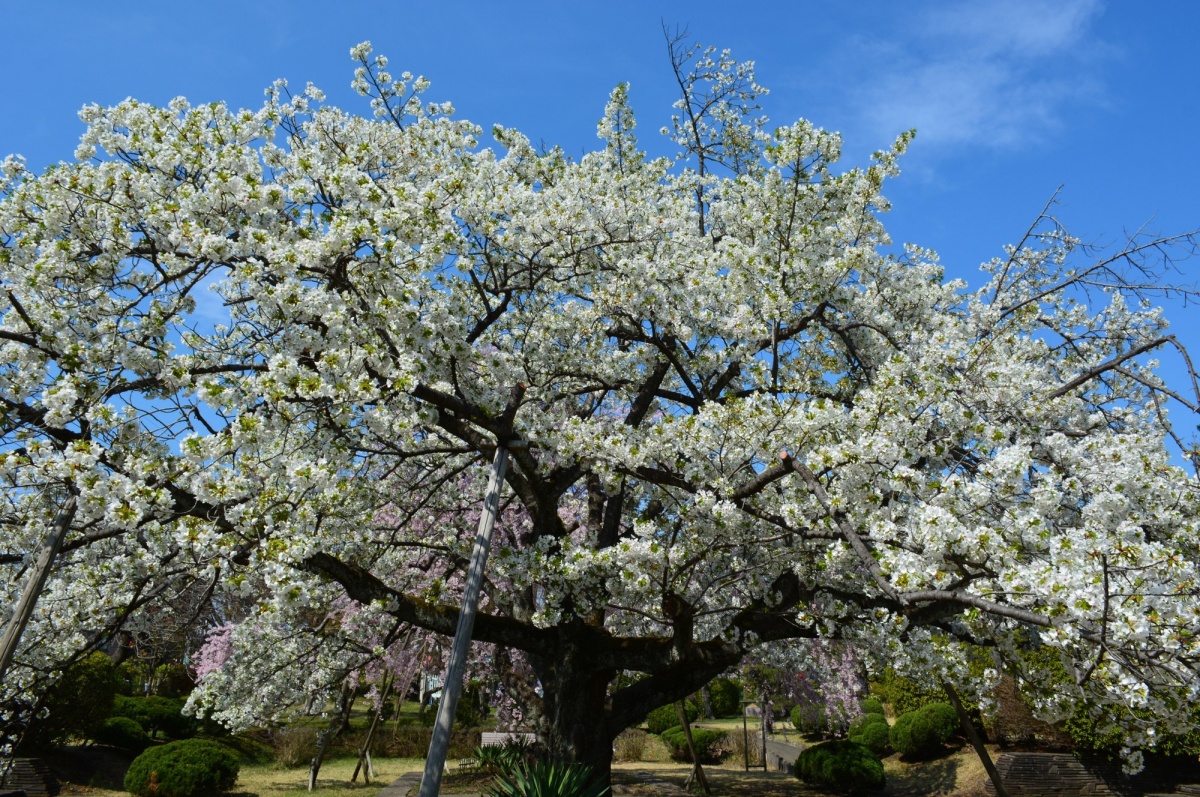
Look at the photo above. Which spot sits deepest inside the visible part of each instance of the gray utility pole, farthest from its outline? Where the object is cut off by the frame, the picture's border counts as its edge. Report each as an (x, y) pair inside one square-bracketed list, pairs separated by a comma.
[(35, 585), (452, 686)]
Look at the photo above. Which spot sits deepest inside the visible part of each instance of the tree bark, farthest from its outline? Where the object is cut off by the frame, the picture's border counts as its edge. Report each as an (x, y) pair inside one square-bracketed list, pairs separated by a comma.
[(575, 715)]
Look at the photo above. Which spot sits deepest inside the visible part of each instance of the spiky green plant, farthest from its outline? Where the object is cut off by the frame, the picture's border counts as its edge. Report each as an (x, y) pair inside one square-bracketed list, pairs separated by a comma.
[(548, 777)]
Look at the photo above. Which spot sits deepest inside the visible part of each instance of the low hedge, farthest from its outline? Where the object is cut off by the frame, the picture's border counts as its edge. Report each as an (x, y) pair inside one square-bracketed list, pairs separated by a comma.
[(924, 732), (840, 766), (664, 717), (710, 745), (810, 718), (122, 732), (157, 714)]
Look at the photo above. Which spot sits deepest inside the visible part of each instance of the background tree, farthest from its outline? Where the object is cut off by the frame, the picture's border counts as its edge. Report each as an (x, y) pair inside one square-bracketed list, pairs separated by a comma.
[(394, 301)]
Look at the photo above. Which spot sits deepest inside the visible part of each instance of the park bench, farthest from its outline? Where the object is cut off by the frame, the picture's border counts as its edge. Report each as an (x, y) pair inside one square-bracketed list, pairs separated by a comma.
[(498, 739)]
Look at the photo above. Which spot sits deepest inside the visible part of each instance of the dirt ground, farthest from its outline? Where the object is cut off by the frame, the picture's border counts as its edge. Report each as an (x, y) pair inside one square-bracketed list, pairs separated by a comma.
[(959, 774), (98, 772)]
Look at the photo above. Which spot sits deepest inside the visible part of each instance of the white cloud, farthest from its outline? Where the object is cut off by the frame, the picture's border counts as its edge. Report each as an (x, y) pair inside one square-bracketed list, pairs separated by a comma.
[(996, 74)]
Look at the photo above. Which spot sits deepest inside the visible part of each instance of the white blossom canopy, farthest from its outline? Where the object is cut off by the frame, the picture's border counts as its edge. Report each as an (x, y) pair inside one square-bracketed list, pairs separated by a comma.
[(392, 299)]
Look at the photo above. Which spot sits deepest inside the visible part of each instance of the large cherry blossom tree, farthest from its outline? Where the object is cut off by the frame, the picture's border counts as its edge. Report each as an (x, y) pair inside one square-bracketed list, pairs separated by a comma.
[(273, 350)]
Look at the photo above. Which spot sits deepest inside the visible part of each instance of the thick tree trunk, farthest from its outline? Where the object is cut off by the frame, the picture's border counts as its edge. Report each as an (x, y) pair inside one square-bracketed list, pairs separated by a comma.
[(575, 716)]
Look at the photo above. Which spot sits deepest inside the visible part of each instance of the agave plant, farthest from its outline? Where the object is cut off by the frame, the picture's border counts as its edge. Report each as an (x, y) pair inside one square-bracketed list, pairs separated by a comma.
[(548, 777), (505, 758)]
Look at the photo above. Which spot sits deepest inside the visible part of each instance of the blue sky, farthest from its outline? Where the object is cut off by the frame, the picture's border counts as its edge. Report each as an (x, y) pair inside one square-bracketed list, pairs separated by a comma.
[(1010, 99)]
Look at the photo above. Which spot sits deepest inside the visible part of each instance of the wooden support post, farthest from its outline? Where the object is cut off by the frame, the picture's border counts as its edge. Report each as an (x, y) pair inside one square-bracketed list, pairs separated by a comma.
[(766, 706), (697, 770), (435, 761), (345, 703), (364, 752), (973, 736)]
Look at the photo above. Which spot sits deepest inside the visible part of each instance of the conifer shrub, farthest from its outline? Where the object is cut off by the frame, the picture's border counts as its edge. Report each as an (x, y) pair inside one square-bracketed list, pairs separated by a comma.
[(840, 766), (876, 736), (664, 717), (924, 732), (122, 732), (857, 726), (187, 768), (872, 706), (710, 745), (157, 714), (725, 696)]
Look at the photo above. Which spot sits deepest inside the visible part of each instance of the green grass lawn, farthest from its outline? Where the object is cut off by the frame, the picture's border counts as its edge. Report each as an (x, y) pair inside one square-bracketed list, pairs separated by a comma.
[(267, 780)]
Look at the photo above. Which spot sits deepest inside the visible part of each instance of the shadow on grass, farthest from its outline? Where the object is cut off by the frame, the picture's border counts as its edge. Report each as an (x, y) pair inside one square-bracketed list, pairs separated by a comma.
[(921, 778)]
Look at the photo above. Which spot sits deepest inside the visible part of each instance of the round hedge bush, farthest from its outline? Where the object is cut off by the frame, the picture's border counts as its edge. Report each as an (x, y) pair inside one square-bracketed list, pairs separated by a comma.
[(872, 706), (187, 768), (840, 766), (924, 732), (665, 717), (875, 736), (810, 718), (725, 697), (157, 714), (942, 718), (865, 720), (122, 732), (709, 744)]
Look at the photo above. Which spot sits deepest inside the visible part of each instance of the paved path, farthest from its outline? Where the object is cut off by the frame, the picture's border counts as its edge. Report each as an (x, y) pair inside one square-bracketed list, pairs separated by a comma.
[(401, 785), (781, 755)]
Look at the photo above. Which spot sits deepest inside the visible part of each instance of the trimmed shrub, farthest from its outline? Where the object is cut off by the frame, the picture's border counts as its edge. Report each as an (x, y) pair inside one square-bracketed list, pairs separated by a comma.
[(725, 697), (187, 768), (857, 726), (133, 677), (924, 732), (875, 736), (157, 714), (710, 745), (942, 718), (666, 716), (840, 766), (122, 732), (872, 706)]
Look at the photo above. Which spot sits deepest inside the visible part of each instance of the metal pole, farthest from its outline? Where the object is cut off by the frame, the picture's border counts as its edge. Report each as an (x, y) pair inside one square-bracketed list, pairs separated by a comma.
[(35, 585), (431, 781)]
